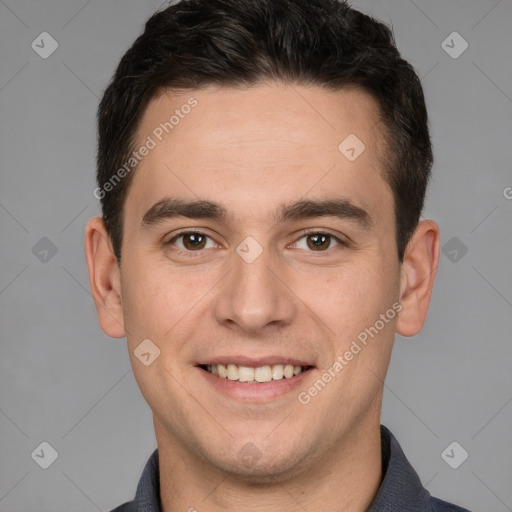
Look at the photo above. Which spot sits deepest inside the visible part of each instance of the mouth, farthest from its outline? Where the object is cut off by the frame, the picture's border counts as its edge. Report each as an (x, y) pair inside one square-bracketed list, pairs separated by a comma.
[(255, 381), (255, 375)]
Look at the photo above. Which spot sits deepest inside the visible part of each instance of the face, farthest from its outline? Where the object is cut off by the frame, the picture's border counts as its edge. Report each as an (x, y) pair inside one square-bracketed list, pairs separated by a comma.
[(286, 263)]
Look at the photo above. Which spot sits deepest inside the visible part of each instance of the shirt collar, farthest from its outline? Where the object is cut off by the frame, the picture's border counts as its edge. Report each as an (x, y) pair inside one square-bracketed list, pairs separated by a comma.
[(400, 489)]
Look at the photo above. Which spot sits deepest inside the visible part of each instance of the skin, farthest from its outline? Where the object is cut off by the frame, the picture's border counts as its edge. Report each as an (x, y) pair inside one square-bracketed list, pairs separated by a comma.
[(252, 150)]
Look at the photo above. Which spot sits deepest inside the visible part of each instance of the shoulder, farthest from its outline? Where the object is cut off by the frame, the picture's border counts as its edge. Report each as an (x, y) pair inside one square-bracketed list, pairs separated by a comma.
[(147, 497), (401, 487), (443, 506), (126, 507)]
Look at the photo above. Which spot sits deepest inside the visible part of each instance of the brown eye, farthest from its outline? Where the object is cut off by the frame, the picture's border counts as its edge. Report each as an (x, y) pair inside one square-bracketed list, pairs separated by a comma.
[(191, 241), (194, 241), (319, 241)]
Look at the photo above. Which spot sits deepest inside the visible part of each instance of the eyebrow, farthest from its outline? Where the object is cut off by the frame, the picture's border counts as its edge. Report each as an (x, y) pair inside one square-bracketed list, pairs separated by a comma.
[(169, 208), (340, 208), (343, 209)]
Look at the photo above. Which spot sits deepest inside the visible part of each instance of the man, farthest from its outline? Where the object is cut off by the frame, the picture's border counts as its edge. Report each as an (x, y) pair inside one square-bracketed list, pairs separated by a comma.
[(262, 167)]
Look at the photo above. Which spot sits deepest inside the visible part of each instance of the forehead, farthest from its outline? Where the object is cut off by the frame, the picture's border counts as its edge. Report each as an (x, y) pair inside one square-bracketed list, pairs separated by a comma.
[(230, 115), (254, 148)]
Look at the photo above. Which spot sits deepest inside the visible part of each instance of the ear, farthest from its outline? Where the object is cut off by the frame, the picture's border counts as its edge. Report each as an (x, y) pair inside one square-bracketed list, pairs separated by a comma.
[(418, 274), (104, 278)]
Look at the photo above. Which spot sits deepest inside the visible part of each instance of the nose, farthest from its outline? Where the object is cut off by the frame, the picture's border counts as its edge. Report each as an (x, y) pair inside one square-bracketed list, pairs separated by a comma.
[(254, 296)]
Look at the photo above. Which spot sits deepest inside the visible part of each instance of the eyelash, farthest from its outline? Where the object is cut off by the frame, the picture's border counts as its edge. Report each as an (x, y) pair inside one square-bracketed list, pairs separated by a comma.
[(305, 233)]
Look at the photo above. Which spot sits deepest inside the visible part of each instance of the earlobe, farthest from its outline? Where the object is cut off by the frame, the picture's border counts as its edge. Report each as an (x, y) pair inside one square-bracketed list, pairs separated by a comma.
[(104, 278), (418, 274)]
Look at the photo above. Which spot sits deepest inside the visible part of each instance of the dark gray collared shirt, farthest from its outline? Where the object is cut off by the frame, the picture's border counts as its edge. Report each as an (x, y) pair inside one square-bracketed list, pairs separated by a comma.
[(400, 491)]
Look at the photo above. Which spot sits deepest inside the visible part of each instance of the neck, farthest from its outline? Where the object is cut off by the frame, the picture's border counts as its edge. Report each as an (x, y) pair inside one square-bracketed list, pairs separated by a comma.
[(347, 478)]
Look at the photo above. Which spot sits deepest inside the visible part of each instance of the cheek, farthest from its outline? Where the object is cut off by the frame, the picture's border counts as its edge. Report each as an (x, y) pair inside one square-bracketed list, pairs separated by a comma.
[(162, 303), (153, 309), (152, 300), (351, 297)]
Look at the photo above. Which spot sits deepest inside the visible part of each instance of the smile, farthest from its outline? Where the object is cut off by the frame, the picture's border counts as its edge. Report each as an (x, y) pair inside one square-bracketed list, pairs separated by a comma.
[(254, 375)]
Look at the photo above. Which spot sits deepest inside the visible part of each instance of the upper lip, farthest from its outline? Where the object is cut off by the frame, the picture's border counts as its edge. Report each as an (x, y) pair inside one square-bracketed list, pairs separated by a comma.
[(254, 362)]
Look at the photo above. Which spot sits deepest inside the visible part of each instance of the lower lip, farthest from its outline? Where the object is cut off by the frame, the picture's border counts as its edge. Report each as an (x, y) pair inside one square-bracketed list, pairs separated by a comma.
[(257, 392)]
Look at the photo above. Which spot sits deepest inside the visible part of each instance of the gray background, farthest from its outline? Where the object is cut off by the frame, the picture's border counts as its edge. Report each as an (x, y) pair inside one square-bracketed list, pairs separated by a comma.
[(64, 382)]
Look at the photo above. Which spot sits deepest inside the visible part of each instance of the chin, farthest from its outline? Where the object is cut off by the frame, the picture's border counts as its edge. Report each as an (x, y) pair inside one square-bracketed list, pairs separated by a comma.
[(260, 467)]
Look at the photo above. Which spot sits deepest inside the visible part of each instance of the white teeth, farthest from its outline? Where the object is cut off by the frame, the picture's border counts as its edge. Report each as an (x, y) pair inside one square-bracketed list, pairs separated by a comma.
[(223, 371), (288, 371), (232, 372), (245, 374), (277, 371), (265, 373)]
